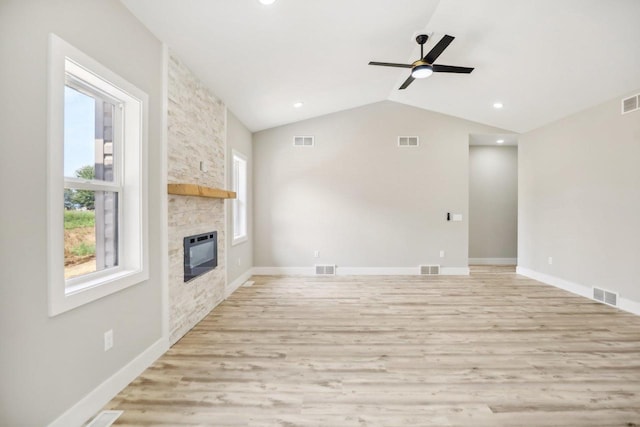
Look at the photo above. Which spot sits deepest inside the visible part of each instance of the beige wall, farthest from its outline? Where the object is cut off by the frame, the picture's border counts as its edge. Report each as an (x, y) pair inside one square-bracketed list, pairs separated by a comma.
[(196, 133), (579, 199), (240, 256), (493, 203), (358, 198), (47, 364)]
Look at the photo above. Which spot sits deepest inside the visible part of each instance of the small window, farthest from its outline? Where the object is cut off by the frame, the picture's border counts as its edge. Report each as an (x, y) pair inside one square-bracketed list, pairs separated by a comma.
[(97, 227), (240, 202)]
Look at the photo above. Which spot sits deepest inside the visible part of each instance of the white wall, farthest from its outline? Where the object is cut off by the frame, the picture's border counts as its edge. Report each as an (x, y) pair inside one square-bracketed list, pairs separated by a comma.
[(358, 198), (49, 364), (579, 199), (493, 204), (240, 256)]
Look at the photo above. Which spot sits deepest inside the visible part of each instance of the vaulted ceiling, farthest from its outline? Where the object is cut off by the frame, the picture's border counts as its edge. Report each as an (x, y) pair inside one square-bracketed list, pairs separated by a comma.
[(543, 59)]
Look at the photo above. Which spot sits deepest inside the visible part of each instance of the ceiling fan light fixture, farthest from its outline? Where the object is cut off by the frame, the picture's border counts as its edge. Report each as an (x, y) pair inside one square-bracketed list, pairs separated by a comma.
[(421, 71)]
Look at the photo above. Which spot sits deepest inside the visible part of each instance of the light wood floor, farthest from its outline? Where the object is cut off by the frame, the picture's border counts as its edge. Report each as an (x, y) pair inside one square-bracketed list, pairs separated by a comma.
[(492, 349)]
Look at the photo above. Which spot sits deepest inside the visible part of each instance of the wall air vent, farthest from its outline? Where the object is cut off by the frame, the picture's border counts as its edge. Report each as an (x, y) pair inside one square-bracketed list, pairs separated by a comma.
[(607, 297), (303, 141), (630, 104), (325, 270), (408, 141), (429, 270)]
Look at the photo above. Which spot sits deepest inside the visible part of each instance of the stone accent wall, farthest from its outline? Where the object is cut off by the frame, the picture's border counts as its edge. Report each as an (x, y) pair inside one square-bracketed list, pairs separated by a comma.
[(196, 132)]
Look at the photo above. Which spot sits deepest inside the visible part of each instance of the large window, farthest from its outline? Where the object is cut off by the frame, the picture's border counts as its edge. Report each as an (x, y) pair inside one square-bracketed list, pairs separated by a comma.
[(97, 197), (240, 202)]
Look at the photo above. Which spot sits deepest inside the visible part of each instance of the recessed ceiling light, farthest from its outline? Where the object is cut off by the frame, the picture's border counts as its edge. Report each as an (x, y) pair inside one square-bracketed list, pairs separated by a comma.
[(298, 104), (267, 2), (500, 141), (497, 105)]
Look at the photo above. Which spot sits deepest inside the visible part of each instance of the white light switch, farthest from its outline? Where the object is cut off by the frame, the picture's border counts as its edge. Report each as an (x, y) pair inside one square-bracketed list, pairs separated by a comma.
[(457, 217), (108, 340)]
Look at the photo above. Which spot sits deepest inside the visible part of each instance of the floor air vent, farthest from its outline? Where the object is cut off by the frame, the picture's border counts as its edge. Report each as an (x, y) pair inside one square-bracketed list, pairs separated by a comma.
[(630, 104), (303, 141), (429, 270), (408, 141), (325, 270), (105, 419), (607, 297)]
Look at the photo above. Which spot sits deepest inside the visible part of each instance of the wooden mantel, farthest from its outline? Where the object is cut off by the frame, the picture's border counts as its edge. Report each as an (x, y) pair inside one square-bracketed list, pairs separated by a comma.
[(200, 191)]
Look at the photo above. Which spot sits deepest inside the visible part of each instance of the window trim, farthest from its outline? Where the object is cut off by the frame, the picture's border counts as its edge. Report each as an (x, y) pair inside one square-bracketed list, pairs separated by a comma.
[(234, 183), (133, 265)]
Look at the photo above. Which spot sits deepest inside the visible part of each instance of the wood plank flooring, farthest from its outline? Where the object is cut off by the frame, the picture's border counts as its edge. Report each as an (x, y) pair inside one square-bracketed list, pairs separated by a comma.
[(492, 349)]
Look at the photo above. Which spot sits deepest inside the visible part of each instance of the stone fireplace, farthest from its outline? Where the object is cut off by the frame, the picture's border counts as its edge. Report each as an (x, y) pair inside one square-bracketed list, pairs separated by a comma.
[(196, 135)]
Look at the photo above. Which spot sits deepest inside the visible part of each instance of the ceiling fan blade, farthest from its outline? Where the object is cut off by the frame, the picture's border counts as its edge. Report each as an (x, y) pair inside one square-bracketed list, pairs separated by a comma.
[(390, 64), (407, 82), (438, 49), (437, 68)]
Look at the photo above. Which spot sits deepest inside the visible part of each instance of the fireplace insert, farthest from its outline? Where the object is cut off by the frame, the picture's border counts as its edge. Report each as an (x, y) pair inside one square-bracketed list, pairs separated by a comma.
[(200, 254)]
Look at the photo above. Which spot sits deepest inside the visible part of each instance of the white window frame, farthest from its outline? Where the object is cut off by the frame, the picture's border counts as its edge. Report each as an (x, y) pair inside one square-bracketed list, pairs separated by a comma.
[(239, 183), (65, 61)]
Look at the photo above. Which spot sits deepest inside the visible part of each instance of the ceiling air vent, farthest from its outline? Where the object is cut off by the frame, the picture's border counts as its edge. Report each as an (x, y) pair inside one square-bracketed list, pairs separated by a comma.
[(429, 270), (408, 141), (303, 141), (607, 297), (325, 270), (630, 104)]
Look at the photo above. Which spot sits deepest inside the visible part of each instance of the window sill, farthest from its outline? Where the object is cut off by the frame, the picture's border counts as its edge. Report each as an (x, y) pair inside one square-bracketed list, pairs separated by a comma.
[(239, 240), (87, 291)]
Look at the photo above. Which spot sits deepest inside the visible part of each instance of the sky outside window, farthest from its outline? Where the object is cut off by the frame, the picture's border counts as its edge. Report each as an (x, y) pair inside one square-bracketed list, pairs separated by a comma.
[(79, 131)]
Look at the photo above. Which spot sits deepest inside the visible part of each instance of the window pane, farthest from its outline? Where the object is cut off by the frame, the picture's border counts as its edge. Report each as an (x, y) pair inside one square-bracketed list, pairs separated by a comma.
[(88, 136), (90, 231), (240, 203)]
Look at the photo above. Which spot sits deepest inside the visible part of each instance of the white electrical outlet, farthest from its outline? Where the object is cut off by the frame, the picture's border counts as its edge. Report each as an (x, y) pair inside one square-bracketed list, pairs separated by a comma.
[(108, 340), (239, 262), (316, 254), (550, 260), (441, 254), (203, 166)]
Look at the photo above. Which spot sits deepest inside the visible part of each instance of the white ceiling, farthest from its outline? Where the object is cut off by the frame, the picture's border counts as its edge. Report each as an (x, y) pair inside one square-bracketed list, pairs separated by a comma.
[(544, 59)]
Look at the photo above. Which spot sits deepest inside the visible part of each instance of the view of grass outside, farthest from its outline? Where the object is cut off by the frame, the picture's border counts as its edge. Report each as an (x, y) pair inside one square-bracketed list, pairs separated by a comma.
[(79, 242)]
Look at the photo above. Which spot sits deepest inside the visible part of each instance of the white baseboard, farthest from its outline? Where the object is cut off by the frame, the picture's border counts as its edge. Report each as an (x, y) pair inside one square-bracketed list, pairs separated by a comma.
[(576, 288), (93, 402), (493, 261), (356, 271), (283, 271), (233, 286), (376, 271)]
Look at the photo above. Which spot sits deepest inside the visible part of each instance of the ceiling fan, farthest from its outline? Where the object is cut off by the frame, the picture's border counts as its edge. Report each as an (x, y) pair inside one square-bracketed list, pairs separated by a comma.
[(425, 66)]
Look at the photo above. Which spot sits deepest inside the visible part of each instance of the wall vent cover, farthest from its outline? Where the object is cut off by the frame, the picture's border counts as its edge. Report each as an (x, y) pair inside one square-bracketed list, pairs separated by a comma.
[(303, 141), (607, 297), (408, 141), (325, 270), (105, 419), (630, 104), (429, 270)]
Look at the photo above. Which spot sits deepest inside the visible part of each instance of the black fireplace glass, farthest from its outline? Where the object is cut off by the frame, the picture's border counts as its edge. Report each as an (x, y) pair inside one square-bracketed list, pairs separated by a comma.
[(200, 254)]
